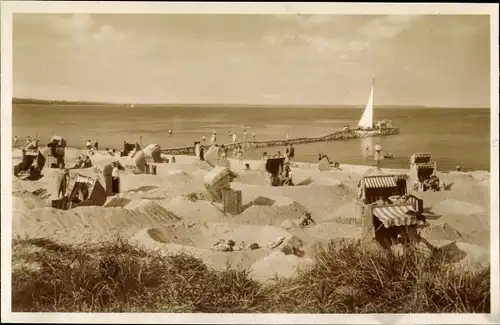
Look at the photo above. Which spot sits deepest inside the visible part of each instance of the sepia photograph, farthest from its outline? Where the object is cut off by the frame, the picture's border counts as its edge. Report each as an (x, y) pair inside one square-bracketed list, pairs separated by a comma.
[(250, 162)]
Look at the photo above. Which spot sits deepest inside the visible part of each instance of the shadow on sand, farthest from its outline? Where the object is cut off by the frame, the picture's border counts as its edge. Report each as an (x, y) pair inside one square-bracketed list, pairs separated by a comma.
[(260, 200), (145, 188)]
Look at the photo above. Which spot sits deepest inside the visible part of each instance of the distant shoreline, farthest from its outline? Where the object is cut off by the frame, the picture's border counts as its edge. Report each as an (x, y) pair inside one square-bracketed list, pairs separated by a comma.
[(34, 101)]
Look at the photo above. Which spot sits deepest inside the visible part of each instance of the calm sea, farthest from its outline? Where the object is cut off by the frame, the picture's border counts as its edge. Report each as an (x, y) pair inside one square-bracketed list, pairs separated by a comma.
[(453, 136)]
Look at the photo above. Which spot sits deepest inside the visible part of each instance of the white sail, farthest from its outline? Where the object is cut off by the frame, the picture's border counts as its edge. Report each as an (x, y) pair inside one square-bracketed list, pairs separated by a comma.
[(366, 120)]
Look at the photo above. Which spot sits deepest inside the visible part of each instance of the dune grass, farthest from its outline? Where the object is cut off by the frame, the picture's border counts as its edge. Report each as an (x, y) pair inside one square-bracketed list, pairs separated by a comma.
[(345, 278)]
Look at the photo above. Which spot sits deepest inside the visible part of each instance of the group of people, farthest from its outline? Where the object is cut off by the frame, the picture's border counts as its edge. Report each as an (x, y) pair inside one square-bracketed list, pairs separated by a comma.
[(63, 180), (233, 135), (82, 161), (222, 152)]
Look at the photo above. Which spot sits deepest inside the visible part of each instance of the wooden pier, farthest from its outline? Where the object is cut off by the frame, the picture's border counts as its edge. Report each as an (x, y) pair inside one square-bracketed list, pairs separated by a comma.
[(339, 135)]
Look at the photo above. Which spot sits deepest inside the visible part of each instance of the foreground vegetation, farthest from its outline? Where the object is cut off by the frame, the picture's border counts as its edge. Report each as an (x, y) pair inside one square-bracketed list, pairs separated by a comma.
[(345, 278)]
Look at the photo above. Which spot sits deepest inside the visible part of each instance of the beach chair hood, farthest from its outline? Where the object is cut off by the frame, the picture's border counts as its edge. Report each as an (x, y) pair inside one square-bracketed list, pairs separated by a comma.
[(419, 158), (212, 156), (58, 141), (96, 192), (372, 187), (324, 164), (140, 161), (153, 152), (274, 166), (396, 215), (216, 180)]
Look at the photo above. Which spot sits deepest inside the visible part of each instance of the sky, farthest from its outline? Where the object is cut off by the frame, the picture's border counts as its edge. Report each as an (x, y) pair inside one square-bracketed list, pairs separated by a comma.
[(429, 60)]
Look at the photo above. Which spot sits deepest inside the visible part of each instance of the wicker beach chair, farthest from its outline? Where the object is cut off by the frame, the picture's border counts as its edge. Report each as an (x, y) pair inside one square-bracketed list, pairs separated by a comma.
[(423, 172), (389, 214)]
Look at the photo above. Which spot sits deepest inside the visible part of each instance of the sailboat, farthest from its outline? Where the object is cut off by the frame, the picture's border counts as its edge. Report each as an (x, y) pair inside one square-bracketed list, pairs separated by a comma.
[(366, 120)]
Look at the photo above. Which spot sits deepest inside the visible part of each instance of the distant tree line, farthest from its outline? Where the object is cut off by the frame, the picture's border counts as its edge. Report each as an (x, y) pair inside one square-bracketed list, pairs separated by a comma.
[(49, 101)]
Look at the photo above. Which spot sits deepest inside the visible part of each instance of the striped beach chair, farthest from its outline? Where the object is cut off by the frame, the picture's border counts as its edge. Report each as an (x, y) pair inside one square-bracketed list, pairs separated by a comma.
[(389, 213), (422, 170)]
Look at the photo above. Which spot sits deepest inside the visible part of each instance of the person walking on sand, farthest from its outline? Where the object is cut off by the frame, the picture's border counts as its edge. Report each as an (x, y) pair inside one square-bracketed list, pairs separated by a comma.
[(89, 144), (234, 137), (115, 179), (213, 140), (16, 140), (245, 138), (96, 146), (223, 152), (367, 150), (203, 139), (291, 154), (197, 150), (238, 153), (62, 181)]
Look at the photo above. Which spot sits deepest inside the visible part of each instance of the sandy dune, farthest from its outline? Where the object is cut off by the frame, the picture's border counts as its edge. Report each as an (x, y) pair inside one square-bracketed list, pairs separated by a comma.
[(168, 212)]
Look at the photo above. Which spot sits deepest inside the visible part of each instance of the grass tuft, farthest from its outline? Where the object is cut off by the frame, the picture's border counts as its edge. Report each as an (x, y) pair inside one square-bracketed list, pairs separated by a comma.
[(344, 278)]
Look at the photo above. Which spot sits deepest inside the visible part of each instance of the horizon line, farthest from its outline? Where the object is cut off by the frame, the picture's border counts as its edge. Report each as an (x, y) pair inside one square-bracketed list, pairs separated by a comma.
[(34, 101)]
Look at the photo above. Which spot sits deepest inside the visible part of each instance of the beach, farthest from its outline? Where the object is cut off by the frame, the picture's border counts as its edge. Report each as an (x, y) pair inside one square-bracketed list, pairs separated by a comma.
[(170, 212)]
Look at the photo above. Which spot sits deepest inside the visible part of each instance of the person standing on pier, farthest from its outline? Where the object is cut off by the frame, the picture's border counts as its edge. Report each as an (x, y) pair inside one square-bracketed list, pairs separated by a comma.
[(378, 154)]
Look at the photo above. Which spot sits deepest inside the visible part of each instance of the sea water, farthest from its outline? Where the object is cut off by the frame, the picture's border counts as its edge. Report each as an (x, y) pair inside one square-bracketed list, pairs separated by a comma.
[(453, 136)]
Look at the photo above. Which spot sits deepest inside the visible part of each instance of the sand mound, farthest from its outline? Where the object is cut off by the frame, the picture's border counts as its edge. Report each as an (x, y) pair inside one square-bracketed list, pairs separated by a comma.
[(467, 219), (202, 165), (326, 182), (25, 201), (252, 178), (205, 235), (277, 263), (454, 207), (198, 210), (332, 230), (441, 231), (318, 200), (98, 221), (164, 187), (462, 254), (271, 211)]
